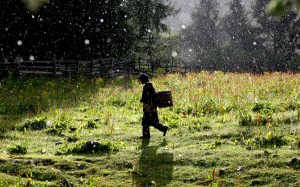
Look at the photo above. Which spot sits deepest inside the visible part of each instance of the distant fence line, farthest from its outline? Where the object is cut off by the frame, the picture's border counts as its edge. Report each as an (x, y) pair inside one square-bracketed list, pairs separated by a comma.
[(68, 68)]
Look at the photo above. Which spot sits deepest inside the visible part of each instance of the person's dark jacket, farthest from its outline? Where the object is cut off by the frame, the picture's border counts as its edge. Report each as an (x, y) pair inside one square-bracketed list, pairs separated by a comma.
[(149, 98), (149, 94)]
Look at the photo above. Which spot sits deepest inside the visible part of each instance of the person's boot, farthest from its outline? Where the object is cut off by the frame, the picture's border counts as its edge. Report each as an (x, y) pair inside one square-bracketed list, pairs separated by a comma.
[(144, 137)]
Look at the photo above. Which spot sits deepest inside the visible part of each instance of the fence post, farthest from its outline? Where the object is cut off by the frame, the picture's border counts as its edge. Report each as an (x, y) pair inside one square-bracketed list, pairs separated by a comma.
[(91, 66), (77, 70), (68, 68), (172, 64), (54, 67), (2, 64), (2, 69), (17, 64), (139, 62), (4, 72)]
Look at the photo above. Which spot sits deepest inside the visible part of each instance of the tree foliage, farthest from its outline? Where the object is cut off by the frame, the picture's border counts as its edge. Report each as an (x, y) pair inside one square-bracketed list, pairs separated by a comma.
[(252, 41), (279, 7), (201, 35), (238, 26), (279, 35), (78, 29)]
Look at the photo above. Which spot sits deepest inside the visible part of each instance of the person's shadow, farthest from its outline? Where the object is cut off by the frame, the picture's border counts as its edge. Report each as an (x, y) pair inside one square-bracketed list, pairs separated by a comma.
[(153, 169)]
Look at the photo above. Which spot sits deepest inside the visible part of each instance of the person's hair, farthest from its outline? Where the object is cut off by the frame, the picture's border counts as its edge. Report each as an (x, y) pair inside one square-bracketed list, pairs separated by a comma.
[(144, 78)]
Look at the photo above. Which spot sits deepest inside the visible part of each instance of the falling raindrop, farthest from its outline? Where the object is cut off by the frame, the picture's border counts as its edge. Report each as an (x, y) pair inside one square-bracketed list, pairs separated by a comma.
[(31, 57), (108, 40), (254, 43), (19, 42), (86, 42), (183, 26), (101, 20), (174, 54)]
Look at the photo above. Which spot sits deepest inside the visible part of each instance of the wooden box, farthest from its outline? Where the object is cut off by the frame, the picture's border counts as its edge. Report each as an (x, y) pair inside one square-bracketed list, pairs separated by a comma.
[(164, 99)]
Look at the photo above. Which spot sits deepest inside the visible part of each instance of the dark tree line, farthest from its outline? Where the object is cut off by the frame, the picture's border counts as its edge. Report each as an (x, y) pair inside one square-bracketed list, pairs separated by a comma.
[(243, 40), (67, 29)]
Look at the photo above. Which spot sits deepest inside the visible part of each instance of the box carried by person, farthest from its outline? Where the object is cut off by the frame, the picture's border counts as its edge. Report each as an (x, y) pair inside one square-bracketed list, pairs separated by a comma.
[(164, 99)]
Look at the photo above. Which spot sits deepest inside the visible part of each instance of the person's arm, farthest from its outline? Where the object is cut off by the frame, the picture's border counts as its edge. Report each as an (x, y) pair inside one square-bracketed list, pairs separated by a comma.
[(148, 93)]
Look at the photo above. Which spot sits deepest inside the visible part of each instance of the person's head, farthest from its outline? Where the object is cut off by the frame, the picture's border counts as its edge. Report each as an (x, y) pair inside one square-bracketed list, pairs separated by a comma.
[(144, 78)]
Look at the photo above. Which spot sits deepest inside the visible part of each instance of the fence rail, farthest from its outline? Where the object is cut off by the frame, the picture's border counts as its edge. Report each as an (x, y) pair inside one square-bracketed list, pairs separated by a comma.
[(97, 67)]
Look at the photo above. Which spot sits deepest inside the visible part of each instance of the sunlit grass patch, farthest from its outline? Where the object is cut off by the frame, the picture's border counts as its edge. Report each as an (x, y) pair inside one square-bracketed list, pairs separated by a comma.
[(236, 124)]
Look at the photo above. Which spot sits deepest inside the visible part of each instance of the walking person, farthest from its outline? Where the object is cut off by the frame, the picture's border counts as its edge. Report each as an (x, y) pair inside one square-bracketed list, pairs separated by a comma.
[(149, 100)]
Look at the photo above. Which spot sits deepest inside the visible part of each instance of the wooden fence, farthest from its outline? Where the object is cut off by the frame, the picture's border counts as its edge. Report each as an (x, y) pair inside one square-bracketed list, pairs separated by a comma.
[(111, 67), (97, 67)]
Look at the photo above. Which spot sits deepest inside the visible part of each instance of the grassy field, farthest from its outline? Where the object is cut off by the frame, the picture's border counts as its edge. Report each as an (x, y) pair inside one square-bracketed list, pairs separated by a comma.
[(225, 130)]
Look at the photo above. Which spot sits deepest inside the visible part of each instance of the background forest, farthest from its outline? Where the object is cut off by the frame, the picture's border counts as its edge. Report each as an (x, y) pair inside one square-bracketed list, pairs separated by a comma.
[(244, 39)]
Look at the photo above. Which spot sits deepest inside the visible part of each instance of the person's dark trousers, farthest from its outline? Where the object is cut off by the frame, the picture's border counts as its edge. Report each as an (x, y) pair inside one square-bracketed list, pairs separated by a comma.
[(151, 119)]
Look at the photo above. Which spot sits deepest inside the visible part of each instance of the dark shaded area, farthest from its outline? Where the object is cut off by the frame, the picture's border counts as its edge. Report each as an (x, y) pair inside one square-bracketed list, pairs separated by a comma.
[(78, 29), (153, 169)]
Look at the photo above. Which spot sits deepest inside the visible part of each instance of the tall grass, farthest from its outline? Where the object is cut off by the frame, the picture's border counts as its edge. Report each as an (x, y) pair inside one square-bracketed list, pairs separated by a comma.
[(212, 111)]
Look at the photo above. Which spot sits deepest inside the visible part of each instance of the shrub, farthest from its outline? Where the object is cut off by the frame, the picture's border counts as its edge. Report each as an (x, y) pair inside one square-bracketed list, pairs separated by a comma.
[(245, 119), (90, 147), (72, 139), (91, 125), (18, 149), (118, 102), (51, 131), (269, 140), (263, 107), (61, 125), (261, 119), (209, 107), (291, 105), (199, 124), (35, 124)]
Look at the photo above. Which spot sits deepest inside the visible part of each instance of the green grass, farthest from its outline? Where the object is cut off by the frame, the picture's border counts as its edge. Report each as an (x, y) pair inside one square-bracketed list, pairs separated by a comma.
[(225, 130)]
